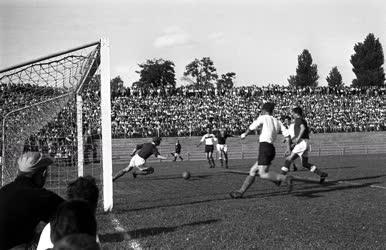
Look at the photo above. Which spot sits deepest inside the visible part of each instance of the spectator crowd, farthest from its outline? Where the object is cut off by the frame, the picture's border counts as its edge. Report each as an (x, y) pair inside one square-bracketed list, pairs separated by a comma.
[(186, 111)]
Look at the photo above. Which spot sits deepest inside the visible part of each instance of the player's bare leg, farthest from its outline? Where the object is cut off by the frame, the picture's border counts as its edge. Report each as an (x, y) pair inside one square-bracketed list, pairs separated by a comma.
[(211, 160), (122, 172), (220, 157), (264, 174), (287, 163), (145, 171), (226, 159)]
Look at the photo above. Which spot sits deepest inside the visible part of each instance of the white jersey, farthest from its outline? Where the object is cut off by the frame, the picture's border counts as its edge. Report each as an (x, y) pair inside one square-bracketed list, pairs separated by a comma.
[(290, 131), (270, 127), (209, 139)]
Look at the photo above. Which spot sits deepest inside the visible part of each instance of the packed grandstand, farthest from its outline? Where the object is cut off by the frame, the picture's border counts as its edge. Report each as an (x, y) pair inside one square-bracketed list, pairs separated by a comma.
[(187, 111)]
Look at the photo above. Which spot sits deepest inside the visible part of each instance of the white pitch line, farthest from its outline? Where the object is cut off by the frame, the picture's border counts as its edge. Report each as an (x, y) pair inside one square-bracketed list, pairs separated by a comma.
[(376, 186), (356, 183), (119, 228)]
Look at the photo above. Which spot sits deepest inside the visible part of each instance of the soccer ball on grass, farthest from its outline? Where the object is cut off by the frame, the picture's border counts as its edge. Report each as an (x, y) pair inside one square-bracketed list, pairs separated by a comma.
[(186, 175)]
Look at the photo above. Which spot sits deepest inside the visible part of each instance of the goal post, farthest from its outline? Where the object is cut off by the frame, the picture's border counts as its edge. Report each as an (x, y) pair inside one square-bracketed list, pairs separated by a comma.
[(60, 105)]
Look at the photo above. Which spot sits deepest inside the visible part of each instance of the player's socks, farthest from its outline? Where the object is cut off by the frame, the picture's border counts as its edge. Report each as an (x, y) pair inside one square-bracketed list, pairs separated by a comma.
[(289, 180), (247, 183), (226, 163), (222, 162), (284, 170), (213, 164), (294, 167), (119, 174), (319, 172), (181, 158)]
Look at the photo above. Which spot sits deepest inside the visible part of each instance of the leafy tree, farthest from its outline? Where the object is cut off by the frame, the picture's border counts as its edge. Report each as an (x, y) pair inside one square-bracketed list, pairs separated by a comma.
[(202, 72), (334, 79), (116, 85), (367, 63), (226, 81), (306, 72), (156, 73)]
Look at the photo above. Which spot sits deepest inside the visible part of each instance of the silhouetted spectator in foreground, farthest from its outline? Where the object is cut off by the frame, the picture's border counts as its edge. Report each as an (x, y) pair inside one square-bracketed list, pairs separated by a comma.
[(24, 202)]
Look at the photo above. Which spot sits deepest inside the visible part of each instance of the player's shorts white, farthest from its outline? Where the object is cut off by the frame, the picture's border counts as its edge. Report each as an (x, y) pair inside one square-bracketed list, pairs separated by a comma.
[(222, 147), (302, 148), (138, 162)]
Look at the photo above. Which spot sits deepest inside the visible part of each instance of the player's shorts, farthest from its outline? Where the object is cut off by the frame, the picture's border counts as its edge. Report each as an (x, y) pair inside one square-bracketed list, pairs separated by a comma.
[(137, 162), (209, 148), (266, 153), (222, 147), (302, 148)]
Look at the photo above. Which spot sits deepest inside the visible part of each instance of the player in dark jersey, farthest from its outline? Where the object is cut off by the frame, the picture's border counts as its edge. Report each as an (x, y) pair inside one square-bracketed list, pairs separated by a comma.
[(289, 137), (222, 147), (209, 139), (177, 151), (302, 147), (140, 155)]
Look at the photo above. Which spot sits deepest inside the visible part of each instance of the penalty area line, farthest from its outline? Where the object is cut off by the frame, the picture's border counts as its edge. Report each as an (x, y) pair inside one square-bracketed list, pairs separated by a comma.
[(357, 184), (122, 231)]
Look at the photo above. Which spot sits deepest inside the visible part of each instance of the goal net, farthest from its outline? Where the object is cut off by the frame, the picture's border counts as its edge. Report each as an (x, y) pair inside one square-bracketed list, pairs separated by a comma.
[(60, 105)]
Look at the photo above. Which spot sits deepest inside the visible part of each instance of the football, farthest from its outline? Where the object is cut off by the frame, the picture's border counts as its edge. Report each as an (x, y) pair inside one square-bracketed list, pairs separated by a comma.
[(186, 175)]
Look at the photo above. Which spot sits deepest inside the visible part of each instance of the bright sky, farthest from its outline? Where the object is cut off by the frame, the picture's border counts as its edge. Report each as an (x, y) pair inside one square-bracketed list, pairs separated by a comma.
[(258, 40)]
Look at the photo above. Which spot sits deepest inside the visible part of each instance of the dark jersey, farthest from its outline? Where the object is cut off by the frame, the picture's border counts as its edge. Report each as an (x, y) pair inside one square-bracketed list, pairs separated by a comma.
[(178, 148), (146, 150), (298, 122), (22, 206), (222, 139)]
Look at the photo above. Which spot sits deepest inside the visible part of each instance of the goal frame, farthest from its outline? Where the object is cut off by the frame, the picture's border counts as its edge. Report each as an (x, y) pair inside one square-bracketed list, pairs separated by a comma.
[(105, 105)]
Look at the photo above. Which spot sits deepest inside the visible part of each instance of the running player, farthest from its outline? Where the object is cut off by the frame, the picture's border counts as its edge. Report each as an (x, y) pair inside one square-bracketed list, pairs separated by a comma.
[(269, 127), (302, 147), (209, 139), (177, 151), (222, 147), (140, 155), (290, 136)]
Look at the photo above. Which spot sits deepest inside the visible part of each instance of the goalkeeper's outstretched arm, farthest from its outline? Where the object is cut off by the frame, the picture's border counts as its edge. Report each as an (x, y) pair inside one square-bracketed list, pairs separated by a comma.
[(161, 157), (133, 152)]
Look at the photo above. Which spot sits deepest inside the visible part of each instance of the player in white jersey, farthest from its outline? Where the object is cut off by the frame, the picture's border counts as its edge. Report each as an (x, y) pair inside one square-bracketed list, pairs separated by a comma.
[(209, 140), (269, 127)]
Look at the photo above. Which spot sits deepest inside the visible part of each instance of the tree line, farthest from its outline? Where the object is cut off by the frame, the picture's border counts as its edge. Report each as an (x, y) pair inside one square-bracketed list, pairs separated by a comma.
[(367, 64)]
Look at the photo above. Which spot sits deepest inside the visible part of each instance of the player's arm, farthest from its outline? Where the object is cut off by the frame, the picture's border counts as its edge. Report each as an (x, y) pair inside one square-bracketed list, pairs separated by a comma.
[(158, 155), (254, 126), (133, 152), (138, 147), (202, 139), (161, 157), (301, 132)]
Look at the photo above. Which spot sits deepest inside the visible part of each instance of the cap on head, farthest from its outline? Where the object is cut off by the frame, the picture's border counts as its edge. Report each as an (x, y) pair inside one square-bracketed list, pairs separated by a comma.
[(31, 162), (268, 106)]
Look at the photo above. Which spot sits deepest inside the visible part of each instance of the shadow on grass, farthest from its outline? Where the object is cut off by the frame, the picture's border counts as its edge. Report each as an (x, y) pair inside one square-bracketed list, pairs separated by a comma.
[(144, 232), (313, 193)]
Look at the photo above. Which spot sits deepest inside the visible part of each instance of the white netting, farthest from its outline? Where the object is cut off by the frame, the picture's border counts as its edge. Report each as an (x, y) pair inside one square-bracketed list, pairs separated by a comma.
[(38, 113)]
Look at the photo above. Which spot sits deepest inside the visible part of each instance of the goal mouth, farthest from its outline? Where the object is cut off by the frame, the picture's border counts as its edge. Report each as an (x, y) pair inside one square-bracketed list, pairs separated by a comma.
[(53, 105)]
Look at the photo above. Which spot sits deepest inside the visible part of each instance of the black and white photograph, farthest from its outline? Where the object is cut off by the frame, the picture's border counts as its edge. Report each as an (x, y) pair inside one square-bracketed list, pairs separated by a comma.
[(192, 124)]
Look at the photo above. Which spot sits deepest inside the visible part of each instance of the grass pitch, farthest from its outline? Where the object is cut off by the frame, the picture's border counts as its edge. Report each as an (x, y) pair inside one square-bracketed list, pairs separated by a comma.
[(164, 211)]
